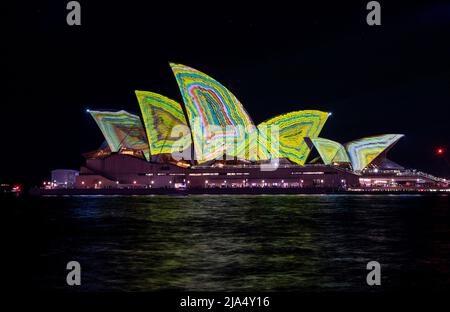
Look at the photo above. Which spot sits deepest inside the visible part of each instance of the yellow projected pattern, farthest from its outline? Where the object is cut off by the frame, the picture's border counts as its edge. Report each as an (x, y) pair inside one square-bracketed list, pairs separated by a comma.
[(363, 151), (219, 123), (330, 151), (292, 129), (122, 130), (164, 121)]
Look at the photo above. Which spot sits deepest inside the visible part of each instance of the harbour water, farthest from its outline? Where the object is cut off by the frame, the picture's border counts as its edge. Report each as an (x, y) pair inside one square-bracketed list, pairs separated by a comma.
[(229, 243)]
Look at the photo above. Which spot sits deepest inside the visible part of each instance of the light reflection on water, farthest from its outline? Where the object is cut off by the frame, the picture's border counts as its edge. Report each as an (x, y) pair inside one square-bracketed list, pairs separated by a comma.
[(237, 243)]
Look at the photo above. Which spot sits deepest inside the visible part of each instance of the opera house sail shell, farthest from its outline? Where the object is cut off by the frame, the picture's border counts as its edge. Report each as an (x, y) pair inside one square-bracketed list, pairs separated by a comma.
[(363, 151), (218, 121), (122, 130), (330, 151), (292, 129), (165, 123)]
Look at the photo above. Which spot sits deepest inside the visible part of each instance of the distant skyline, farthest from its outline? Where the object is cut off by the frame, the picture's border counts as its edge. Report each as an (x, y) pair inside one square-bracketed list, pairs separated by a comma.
[(392, 78)]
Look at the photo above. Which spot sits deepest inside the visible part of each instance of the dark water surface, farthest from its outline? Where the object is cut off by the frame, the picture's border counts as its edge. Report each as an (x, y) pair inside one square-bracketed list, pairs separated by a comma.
[(229, 243)]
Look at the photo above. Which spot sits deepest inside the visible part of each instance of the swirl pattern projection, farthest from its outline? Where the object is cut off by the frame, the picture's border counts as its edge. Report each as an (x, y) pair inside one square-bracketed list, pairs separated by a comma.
[(164, 121), (122, 130), (292, 129), (330, 151), (219, 123), (363, 151), (216, 124)]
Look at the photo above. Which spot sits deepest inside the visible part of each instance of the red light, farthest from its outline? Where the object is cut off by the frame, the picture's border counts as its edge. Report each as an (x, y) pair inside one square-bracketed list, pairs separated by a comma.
[(440, 151)]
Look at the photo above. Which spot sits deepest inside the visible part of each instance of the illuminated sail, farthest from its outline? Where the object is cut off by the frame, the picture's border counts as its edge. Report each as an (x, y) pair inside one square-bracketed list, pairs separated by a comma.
[(122, 130), (330, 151), (219, 123), (292, 129), (165, 123), (363, 151)]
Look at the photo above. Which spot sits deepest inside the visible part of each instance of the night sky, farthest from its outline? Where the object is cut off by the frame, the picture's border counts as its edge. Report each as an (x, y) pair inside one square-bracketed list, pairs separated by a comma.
[(275, 57)]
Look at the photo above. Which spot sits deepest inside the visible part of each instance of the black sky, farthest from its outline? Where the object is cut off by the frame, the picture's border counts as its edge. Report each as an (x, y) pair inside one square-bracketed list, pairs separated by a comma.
[(274, 57)]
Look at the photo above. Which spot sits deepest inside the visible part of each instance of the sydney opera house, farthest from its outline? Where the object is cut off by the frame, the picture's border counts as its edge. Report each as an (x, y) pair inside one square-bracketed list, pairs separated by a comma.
[(211, 142)]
